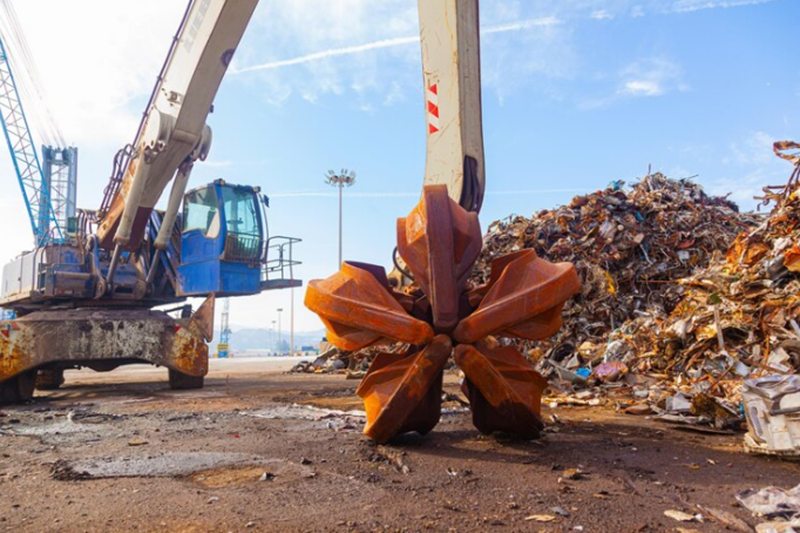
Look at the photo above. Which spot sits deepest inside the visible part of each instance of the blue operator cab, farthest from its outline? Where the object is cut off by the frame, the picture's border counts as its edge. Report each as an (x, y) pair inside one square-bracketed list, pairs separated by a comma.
[(222, 241)]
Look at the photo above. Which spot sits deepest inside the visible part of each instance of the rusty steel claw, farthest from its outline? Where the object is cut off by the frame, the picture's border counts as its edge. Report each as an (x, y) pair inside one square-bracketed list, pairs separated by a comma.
[(358, 309), (440, 242), (503, 389), (403, 393), (524, 299)]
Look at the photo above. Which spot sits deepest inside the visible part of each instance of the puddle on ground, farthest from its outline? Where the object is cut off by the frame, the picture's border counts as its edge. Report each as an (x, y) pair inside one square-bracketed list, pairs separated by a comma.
[(211, 470), (162, 465), (319, 418), (75, 427), (305, 412)]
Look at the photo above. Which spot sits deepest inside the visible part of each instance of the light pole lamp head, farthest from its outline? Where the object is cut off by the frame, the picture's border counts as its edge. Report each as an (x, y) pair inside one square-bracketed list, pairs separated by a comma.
[(345, 178)]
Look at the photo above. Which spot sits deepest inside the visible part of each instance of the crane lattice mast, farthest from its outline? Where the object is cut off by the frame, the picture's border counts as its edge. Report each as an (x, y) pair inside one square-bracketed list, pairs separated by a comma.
[(223, 348), (35, 189)]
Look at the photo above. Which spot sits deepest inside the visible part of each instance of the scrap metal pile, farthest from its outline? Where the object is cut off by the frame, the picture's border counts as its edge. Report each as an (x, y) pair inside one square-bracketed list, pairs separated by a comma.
[(683, 297), (629, 247)]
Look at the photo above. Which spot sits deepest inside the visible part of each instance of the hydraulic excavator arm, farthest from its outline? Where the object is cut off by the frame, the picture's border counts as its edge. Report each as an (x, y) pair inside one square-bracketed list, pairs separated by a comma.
[(451, 73), (174, 133), (441, 314)]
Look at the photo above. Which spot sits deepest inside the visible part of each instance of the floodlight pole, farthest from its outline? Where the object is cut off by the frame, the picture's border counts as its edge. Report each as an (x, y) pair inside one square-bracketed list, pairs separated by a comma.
[(340, 226), (280, 340), (345, 178)]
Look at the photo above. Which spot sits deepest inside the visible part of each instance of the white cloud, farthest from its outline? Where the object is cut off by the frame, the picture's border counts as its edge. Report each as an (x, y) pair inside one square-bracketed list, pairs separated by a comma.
[(98, 69), (642, 88), (222, 163), (327, 54), (521, 25), (743, 187), (380, 70), (749, 165), (756, 149), (98, 60), (310, 48), (655, 76), (652, 77), (394, 95), (601, 14)]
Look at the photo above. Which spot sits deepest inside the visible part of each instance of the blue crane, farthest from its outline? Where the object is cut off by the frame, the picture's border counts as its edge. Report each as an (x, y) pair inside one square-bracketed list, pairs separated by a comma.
[(35, 188), (223, 347)]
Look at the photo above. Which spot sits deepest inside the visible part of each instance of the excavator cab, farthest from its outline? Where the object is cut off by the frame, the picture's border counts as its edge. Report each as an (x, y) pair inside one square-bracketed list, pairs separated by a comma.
[(222, 240)]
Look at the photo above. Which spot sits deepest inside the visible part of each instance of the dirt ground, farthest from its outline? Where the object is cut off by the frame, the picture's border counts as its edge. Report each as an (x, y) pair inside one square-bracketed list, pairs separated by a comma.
[(259, 450)]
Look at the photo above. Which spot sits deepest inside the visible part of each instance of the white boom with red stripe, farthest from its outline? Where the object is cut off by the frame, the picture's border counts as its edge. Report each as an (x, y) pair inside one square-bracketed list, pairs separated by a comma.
[(450, 35)]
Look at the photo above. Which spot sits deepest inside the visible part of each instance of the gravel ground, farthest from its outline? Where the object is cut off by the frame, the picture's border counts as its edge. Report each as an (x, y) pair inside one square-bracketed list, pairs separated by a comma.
[(260, 450)]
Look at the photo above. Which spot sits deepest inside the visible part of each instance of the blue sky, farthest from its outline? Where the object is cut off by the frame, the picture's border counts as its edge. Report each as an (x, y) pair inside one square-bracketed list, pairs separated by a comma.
[(576, 94)]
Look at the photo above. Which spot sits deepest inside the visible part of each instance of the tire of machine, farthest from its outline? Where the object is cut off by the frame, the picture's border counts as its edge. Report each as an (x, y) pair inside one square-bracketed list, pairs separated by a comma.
[(181, 381), (18, 389), (50, 378)]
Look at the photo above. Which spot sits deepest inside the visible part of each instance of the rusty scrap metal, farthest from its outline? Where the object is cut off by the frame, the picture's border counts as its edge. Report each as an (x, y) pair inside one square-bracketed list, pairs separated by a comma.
[(440, 242), (630, 245), (672, 325)]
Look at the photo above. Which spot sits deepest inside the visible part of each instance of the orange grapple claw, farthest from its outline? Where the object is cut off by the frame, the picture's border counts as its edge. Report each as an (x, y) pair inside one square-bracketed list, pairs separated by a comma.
[(403, 393), (440, 242), (504, 391)]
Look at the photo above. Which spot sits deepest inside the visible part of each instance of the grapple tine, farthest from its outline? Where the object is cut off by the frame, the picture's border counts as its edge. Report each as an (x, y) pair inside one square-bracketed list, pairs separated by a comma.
[(403, 394), (528, 289), (440, 241), (504, 391), (358, 309)]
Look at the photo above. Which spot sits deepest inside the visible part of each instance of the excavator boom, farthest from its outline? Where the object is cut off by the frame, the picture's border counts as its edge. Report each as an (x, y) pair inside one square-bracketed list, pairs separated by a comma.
[(174, 131), (451, 72)]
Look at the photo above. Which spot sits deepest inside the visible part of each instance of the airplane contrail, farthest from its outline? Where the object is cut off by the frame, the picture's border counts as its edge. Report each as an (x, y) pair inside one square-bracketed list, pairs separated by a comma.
[(679, 6), (689, 6), (387, 43)]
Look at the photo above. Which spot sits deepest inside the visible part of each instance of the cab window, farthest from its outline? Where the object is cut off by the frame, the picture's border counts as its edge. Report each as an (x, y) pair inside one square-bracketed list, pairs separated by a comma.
[(200, 212), (241, 214)]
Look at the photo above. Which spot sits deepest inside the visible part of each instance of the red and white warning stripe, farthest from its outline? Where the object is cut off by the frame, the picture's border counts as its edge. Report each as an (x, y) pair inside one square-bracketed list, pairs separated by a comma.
[(432, 96)]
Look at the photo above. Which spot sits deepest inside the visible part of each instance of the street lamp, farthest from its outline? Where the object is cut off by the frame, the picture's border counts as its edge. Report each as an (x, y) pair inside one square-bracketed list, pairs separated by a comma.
[(280, 344), (345, 178), (272, 332)]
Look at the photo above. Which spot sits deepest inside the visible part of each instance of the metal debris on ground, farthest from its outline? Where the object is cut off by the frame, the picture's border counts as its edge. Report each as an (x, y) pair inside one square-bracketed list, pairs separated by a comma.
[(772, 407), (781, 507), (336, 361)]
